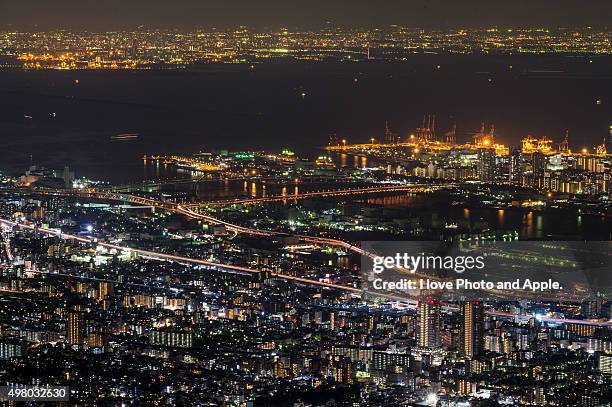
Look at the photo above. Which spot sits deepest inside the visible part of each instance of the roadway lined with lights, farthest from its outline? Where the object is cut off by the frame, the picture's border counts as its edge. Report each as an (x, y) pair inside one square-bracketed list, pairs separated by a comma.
[(171, 257), (241, 229), (245, 270), (186, 211), (177, 208)]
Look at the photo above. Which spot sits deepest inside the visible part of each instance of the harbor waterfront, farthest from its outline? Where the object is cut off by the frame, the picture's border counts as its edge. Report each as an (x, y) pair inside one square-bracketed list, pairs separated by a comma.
[(306, 204)]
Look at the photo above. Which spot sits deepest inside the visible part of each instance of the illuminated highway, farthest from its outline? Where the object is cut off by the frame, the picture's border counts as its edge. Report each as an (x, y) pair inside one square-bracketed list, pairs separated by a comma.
[(171, 257), (399, 301), (176, 208), (186, 211), (322, 241)]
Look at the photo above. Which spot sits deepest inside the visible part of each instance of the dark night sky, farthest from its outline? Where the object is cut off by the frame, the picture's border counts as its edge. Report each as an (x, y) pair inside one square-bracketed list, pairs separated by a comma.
[(187, 14)]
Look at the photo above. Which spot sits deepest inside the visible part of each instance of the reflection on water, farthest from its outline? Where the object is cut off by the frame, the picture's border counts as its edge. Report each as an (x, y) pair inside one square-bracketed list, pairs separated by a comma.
[(500, 218), (158, 170), (342, 160), (405, 199), (350, 262), (549, 224), (527, 229), (539, 226), (206, 190)]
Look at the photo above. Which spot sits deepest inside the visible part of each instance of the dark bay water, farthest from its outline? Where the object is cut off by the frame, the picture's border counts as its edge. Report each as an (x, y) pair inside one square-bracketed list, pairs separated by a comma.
[(549, 224), (48, 115)]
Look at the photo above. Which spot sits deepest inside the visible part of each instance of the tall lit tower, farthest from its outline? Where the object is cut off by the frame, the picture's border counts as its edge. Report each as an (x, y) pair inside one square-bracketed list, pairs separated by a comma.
[(74, 329), (429, 320), (515, 166), (105, 289), (472, 328), (485, 165), (538, 164)]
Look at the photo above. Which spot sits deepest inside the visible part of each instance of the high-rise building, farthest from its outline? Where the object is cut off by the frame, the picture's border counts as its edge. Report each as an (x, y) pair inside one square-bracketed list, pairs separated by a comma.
[(68, 177), (175, 339), (472, 328), (96, 339), (604, 364), (591, 308), (382, 359), (515, 164), (539, 396), (486, 164), (429, 322), (74, 330), (538, 164), (105, 289), (332, 321), (466, 387), (10, 350)]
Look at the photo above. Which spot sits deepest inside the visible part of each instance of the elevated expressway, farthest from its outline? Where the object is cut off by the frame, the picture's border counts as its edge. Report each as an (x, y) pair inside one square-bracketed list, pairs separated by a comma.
[(188, 212), (402, 302)]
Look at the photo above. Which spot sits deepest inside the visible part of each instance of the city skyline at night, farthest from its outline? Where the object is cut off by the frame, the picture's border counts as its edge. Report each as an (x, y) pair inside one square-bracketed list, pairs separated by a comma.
[(306, 204)]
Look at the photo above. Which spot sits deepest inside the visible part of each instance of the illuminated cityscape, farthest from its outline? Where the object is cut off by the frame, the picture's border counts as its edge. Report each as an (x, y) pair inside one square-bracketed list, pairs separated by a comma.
[(140, 274), (417, 214), (173, 48), (536, 163)]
